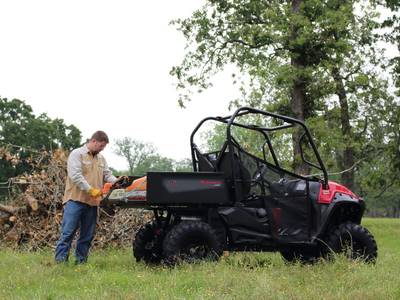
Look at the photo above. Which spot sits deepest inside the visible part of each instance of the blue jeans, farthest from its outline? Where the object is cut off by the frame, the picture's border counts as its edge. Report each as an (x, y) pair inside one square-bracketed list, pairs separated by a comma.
[(76, 214)]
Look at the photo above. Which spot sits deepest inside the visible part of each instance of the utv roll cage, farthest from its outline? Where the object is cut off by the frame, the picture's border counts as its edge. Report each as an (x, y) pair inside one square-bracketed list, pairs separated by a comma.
[(216, 161)]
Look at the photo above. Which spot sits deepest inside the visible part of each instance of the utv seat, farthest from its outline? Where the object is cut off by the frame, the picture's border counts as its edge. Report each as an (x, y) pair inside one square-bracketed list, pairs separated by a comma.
[(224, 164), (204, 164), (289, 188)]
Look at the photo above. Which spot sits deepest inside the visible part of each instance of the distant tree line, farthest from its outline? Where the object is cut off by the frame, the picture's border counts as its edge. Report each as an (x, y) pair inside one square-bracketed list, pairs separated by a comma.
[(142, 157), (24, 134)]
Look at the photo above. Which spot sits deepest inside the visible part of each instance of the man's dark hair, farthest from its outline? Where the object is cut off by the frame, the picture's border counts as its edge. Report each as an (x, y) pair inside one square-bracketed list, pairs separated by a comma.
[(100, 136)]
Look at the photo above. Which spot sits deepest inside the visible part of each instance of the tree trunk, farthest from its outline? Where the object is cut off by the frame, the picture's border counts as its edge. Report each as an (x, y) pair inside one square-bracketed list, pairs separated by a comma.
[(298, 98), (297, 106), (347, 162)]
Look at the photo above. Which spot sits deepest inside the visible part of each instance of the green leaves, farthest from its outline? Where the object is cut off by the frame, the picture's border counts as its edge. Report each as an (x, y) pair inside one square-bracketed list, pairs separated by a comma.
[(19, 126), (142, 158), (323, 54)]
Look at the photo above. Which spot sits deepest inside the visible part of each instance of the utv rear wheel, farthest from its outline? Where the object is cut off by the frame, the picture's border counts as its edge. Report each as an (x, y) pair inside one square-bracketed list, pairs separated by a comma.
[(147, 245), (353, 240), (191, 242)]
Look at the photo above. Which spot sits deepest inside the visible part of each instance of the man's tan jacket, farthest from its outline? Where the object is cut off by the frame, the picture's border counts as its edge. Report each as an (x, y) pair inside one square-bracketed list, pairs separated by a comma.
[(85, 171)]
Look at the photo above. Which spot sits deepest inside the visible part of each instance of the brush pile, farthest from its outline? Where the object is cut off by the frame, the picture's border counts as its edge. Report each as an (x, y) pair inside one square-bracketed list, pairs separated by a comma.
[(32, 219)]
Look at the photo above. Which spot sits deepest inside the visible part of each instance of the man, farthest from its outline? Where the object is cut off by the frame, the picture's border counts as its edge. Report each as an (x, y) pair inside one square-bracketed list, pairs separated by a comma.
[(87, 171)]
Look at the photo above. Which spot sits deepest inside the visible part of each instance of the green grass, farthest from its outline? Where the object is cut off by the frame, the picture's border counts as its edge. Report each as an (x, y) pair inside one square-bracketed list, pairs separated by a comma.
[(113, 274)]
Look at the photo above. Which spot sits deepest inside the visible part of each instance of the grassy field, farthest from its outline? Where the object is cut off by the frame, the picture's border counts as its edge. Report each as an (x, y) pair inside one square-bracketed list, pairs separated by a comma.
[(113, 274)]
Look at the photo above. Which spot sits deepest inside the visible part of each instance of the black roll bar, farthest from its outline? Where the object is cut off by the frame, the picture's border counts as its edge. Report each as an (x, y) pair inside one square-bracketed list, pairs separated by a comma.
[(230, 121), (289, 120)]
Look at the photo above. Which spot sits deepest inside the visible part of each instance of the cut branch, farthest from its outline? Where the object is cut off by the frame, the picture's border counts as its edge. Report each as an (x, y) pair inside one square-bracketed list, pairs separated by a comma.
[(11, 209), (33, 203)]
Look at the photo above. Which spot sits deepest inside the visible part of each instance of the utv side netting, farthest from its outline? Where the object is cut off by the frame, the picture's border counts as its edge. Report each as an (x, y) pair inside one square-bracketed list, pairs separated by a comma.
[(263, 185)]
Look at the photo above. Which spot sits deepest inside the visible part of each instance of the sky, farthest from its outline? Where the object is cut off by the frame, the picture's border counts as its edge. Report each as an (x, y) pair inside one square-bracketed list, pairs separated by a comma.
[(104, 65)]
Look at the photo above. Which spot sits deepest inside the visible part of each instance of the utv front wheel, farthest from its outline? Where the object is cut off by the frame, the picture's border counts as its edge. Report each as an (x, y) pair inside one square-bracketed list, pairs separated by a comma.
[(353, 240), (190, 242), (147, 246)]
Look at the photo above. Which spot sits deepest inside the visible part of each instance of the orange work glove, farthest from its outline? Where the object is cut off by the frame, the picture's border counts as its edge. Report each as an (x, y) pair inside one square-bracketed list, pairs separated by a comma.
[(106, 188), (94, 192)]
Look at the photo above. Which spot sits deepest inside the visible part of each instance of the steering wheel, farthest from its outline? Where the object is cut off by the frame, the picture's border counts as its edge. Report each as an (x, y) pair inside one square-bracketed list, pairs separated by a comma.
[(258, 176)]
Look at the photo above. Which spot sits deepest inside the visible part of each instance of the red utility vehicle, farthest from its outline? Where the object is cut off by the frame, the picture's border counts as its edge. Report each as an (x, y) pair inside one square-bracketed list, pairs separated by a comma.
[(246, 196)]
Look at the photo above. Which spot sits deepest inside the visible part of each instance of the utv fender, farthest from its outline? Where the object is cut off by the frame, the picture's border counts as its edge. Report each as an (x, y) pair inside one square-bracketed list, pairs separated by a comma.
[(343, 208)]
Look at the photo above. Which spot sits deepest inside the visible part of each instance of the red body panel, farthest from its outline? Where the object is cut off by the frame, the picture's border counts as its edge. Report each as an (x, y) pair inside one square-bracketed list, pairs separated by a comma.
[(326, 196)]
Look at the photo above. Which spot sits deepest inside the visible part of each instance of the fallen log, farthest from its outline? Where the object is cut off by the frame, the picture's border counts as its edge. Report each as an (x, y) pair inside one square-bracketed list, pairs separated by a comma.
[(11, 209)]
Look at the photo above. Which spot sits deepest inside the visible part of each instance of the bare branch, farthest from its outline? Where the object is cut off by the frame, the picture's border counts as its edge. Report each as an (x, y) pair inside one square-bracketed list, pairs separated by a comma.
[(393, 181), (257, 46)]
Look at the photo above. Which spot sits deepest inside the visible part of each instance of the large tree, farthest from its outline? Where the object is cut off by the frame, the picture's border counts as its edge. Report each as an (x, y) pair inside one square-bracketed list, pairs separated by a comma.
[(277, 45), (380, 175), (311, 59), (392, 24), (355, 91)]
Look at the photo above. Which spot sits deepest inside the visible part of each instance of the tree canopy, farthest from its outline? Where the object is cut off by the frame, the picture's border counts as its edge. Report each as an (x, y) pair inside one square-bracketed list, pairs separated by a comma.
[(318, 61), (23, 134), (20, 126)]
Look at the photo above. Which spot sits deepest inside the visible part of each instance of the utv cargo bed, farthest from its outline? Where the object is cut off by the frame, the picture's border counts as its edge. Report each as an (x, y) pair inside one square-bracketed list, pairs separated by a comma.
[(182, 188)]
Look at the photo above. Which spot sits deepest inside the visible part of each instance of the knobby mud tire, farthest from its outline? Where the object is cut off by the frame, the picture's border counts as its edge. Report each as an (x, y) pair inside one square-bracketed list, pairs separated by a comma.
[(147, 245), (191, 241), (353, 240)]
